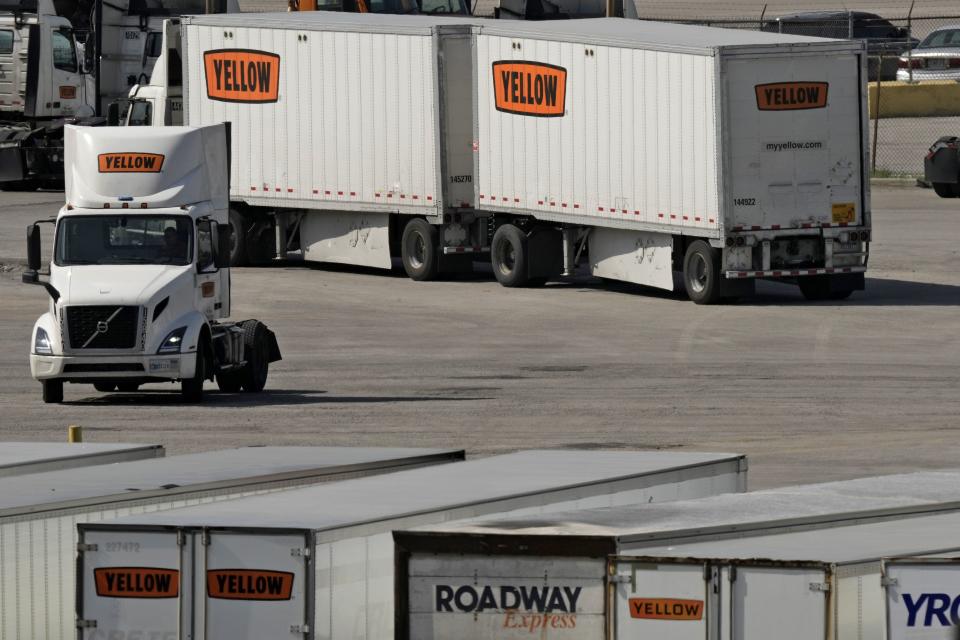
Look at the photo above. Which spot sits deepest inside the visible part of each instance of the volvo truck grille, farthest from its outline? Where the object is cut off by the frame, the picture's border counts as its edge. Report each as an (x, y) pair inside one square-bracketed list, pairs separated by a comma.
[(103, 327)]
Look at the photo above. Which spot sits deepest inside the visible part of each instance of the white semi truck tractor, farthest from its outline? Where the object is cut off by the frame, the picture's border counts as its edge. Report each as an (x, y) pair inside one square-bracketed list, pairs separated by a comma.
[(139, 283)]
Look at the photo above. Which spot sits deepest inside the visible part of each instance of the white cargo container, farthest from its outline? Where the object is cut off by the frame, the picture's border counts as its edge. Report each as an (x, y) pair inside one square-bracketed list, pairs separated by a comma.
[(39, 512), (19, 458), (318, 562), (558, 576), (728, 155)]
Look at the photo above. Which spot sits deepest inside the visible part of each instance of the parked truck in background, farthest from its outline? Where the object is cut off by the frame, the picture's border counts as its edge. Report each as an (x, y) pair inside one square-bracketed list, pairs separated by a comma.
[(139, 285), (644, 149), (66, 62)]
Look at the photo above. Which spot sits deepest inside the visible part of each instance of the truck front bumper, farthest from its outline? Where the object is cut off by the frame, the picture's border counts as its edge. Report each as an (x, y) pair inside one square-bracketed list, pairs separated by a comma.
[(130, 367)]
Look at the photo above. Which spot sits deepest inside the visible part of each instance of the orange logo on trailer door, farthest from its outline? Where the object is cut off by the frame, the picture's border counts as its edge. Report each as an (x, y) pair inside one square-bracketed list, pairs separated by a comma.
[(136, 582), (242, 75), (130, 162), (666, 609), (529, 88), (791, 96), (249, 584)]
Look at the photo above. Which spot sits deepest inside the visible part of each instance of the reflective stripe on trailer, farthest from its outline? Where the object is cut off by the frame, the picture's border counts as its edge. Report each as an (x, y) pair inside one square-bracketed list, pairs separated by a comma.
[(789, 273), (449, 250)]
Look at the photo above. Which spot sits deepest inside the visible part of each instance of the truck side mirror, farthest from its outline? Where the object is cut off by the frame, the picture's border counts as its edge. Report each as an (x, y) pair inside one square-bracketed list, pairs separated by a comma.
[(33, 248), (224, 244), (113, 114)]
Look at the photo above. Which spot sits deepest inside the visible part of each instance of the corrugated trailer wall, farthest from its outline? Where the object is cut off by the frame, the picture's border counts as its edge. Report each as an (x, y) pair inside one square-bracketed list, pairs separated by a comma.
[(350, 124), (635, 141)]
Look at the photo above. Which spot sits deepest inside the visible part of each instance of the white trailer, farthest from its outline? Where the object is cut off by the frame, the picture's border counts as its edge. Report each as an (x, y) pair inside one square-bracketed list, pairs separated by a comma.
[(496, 578), (19, 458), (318, 562), (39, 512), (647, 149)]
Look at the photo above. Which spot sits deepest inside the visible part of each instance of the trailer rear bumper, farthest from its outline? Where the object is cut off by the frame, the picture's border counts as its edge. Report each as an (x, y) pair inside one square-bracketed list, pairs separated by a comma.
[(794, 273)]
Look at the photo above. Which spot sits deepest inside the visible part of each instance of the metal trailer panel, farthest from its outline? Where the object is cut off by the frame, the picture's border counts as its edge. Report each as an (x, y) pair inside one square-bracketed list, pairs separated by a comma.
[(352, 124), (39, 513), (19, 458), (922, 599), (351, 521)]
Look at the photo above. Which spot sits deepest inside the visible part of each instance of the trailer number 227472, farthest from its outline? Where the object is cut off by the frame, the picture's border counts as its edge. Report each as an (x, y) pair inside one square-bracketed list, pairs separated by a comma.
[(125, 547)]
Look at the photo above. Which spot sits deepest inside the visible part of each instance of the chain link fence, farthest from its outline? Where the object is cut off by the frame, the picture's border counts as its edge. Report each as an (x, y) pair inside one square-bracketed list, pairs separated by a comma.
[(914, 63)]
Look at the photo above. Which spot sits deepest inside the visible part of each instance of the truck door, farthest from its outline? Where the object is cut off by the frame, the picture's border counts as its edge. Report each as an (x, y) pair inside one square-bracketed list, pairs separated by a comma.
[(255, 587), (658, 599), (212, 284), (923, 599), (783, 602), (132, 584), (795, 152), (66, 90)]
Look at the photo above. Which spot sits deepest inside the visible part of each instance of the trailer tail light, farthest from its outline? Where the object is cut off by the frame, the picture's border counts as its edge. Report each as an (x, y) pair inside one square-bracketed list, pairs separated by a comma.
[(106, 205), (143, 205)]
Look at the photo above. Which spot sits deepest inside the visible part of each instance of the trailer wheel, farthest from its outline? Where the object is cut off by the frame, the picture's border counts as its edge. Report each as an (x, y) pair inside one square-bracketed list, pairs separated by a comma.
[(254, 376), (418, 250), (508, 256), (701, 273), (104, 387), (947, 189), (818, 288), (238, 248), (53, 391), (191, 389)]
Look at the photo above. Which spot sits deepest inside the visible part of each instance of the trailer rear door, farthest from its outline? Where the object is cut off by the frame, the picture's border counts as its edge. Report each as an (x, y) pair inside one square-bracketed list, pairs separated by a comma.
[(795, 147), (775, 601), (132, 586), (255, 586), (923, 599), (659, 599), (479, 597)]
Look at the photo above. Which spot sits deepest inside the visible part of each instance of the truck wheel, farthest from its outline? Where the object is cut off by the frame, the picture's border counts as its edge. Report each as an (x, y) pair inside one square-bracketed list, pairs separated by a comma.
[(508, 256), (238, 248), (418, 250), (104, 387), (229, 382), (818, 288), (701, 273), (53, 391), (191, 389), (128, 387), (254, 375), (947, 189)]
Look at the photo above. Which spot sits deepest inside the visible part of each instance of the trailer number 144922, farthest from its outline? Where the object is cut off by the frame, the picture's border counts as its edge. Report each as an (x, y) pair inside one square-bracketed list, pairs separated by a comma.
[(745, 202)]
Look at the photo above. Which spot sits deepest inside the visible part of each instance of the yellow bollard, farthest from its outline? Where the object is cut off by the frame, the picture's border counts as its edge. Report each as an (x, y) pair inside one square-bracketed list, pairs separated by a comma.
[(74, 433)]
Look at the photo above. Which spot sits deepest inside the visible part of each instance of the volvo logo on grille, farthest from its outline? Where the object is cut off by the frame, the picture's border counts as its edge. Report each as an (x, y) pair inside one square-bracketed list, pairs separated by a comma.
[(102, 327)]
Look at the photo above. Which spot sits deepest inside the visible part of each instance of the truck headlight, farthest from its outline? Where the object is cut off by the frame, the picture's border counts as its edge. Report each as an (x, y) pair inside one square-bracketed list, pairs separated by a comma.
[(41, 344), (173, 341)]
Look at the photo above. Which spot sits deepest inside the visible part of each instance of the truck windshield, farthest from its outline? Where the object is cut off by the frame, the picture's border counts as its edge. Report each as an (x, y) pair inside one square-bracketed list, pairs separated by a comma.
[(124, 239)]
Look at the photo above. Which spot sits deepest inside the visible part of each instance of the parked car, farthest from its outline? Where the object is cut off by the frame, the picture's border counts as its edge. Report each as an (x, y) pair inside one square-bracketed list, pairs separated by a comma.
[(884, 39), (937, 57), (941, 167)]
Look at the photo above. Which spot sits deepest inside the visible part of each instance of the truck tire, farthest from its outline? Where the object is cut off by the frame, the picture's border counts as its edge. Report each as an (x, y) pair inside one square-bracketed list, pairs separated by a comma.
[(816, 288), (191, 389), (230, 382), (257, 350), (947, 189), (238, 246), (104, 387), (419, 251), (508, 256), (53, 391), (701, 273)]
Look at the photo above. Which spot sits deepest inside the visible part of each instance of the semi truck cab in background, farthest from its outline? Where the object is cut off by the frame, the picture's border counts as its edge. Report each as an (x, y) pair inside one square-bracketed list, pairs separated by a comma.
[(138, 283)]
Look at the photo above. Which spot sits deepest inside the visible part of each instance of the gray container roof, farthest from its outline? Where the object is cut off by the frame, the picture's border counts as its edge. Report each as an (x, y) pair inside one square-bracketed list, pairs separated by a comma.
[(920, 536), (442, 488), (15, 456), (39, 492), (618, 32), (732, 515)]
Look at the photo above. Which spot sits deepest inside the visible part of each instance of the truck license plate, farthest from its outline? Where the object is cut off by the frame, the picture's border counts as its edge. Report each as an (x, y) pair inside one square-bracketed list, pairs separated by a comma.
[(162, 365)]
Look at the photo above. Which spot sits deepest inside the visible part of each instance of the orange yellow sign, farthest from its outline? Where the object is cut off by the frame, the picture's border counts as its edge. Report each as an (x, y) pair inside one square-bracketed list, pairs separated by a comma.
[(249, 584), (791, 96), (130, 162), (136, 582), (242, 75), (666, 609), (529, 88)]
